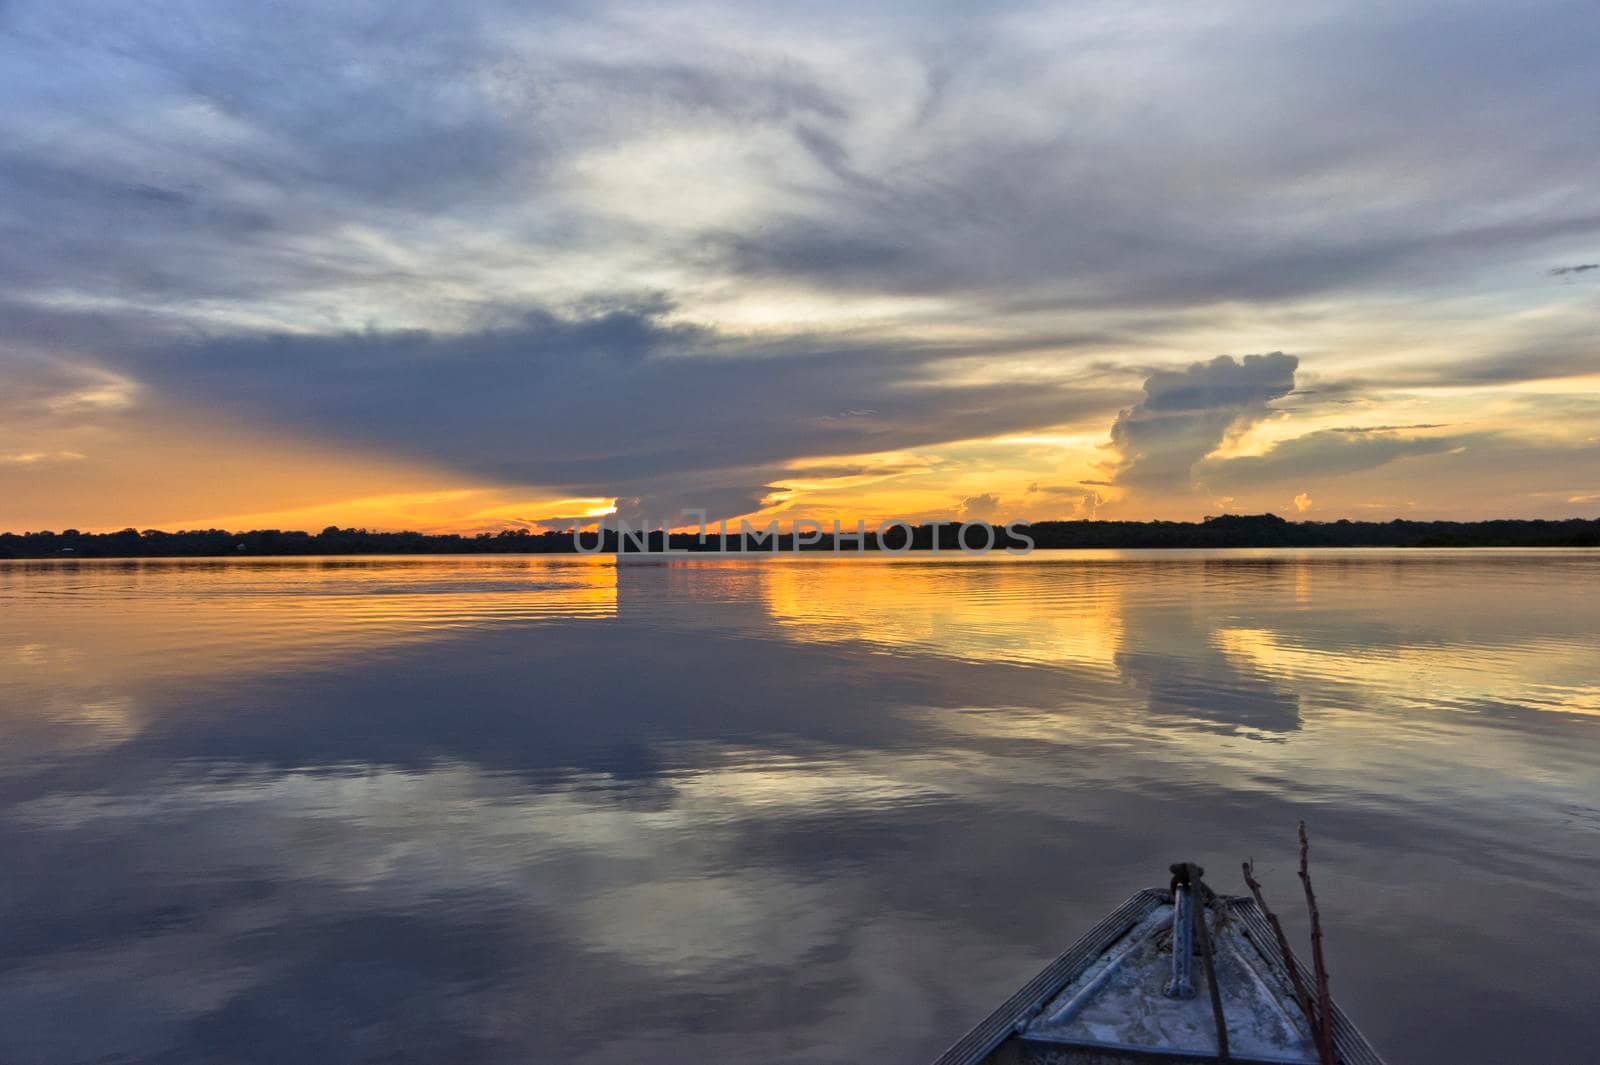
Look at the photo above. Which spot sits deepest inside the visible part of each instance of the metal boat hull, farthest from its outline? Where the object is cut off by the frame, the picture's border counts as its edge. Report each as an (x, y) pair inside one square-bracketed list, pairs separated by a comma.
[(1105, 1002)]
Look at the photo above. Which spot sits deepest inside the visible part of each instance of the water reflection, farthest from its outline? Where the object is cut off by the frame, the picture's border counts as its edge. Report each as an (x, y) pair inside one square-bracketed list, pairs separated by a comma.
[(797, 809), (83, 642)]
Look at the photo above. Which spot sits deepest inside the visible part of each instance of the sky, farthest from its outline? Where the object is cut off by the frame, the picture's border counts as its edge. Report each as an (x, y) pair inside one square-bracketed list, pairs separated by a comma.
[(515, 265)]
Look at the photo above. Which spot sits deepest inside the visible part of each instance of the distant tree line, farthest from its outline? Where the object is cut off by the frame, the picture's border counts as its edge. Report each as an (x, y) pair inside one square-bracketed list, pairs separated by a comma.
[(1229, 530), (1269, 530)]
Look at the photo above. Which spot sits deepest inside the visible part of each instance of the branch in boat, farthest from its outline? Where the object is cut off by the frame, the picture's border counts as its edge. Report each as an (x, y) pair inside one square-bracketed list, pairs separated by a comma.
[(1319, 966), (1300, 992), (1208, 954)]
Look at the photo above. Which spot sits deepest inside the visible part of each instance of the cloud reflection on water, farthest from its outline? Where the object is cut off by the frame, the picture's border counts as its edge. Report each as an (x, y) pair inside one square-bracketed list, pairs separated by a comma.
[(799, 809)]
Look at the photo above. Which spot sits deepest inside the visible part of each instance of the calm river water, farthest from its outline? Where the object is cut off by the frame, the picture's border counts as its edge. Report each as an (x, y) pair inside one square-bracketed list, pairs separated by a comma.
[(799, 809)]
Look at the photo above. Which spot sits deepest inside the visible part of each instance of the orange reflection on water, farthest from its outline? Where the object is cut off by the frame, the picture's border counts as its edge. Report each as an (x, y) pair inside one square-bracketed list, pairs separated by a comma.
[(1237, 641), (1034, 610), (93, 633), (1407, 627)]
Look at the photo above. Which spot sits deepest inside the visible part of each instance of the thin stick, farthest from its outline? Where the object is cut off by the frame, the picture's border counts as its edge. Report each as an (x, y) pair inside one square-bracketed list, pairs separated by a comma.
[(1209, 956), (1289, 963), (1319, 966)]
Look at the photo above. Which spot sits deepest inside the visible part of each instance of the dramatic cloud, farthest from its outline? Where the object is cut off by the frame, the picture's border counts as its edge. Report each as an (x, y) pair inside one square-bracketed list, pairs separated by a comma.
[(367, 154), (1186, 414), (665, 255), (621, 402)]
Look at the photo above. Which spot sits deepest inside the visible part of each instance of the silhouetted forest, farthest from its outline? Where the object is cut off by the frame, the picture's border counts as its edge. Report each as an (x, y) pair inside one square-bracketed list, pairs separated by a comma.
[(1264, 530)]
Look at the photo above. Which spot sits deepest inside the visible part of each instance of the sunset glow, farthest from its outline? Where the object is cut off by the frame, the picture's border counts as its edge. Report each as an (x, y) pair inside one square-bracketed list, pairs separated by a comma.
[(521, 268)]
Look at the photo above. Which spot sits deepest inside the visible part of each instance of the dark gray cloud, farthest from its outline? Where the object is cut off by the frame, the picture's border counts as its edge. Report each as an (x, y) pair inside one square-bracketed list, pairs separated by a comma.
[(1556, 358), (1186, 414), (1580, 268), (1327, 453), (621, 401)]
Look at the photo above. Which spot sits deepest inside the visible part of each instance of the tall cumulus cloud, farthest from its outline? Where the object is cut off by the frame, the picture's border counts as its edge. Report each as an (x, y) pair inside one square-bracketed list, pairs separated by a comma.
[(1186, 414)]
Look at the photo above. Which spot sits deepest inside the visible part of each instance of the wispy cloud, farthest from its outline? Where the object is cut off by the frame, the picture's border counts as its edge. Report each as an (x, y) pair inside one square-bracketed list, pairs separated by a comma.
[(1386, 428), (1328, 453), (35, 458)]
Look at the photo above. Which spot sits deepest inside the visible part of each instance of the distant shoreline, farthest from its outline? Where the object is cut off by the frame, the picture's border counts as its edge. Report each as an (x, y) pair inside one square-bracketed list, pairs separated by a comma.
[(1228, 531)]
